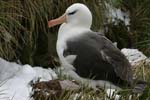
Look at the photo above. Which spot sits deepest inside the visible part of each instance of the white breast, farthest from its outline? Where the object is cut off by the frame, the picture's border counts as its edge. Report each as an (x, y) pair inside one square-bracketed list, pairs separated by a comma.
[(66, 32)]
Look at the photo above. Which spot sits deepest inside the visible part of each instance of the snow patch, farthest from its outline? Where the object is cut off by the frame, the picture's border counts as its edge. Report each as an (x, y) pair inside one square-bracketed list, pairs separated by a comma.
[(7, 69), (17, 87), (45, 74), (15, 79), (113, 14), (111, 93)]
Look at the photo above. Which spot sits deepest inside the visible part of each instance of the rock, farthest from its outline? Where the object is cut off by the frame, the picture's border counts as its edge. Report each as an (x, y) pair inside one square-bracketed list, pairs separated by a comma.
[(68, 85), (140, 63), (134, 56)]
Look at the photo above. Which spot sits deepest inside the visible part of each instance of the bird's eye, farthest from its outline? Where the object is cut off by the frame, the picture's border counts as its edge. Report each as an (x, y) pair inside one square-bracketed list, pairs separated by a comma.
[(73, 12)]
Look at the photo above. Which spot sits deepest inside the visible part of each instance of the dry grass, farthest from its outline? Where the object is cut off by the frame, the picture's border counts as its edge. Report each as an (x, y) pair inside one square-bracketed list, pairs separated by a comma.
[(142, 71)]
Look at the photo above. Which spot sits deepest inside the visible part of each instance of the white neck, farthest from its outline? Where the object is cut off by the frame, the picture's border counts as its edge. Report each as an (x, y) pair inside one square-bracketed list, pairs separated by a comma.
[(67, 31)]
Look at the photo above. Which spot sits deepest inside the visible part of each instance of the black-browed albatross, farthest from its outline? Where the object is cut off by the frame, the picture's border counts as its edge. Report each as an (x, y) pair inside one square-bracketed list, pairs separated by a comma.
[(88, 56)]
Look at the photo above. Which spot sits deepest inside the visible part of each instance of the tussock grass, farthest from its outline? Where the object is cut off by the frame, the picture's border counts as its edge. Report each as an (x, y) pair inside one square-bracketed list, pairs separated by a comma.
[(10, 16), (142, 71)]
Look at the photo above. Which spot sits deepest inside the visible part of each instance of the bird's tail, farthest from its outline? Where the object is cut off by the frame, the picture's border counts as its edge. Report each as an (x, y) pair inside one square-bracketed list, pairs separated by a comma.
[(140, 86)]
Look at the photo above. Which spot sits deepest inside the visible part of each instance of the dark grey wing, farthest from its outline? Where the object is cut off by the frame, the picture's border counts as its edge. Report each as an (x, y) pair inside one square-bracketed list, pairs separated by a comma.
[(116, 58), (98, 58)]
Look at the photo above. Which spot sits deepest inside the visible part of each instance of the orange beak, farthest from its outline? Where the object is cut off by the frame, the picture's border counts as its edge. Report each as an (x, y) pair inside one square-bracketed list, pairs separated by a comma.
[(57, 21)]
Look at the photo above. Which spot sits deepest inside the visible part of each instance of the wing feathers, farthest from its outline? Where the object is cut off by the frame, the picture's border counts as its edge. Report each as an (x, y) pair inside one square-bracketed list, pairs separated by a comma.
[(105, 56)]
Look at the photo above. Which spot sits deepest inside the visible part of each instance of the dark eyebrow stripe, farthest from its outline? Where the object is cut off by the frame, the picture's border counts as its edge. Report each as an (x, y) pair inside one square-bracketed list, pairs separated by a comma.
[(71, 13)]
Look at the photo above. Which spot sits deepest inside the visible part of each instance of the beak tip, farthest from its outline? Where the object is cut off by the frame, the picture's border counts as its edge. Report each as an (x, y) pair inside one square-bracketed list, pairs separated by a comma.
[(57, 21), (50, 23)]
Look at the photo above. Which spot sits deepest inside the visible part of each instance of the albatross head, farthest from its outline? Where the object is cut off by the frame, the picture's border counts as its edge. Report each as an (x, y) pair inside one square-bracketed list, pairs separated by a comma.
[(76, 15)]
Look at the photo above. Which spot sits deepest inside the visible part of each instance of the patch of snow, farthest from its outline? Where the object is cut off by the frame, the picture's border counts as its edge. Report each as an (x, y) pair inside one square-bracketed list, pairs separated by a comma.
[(45, 74), (81, 96), (76, 96), (7, 69), (133, 55), (17, 79), (113, 13), (111, 93), (17, 87)]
